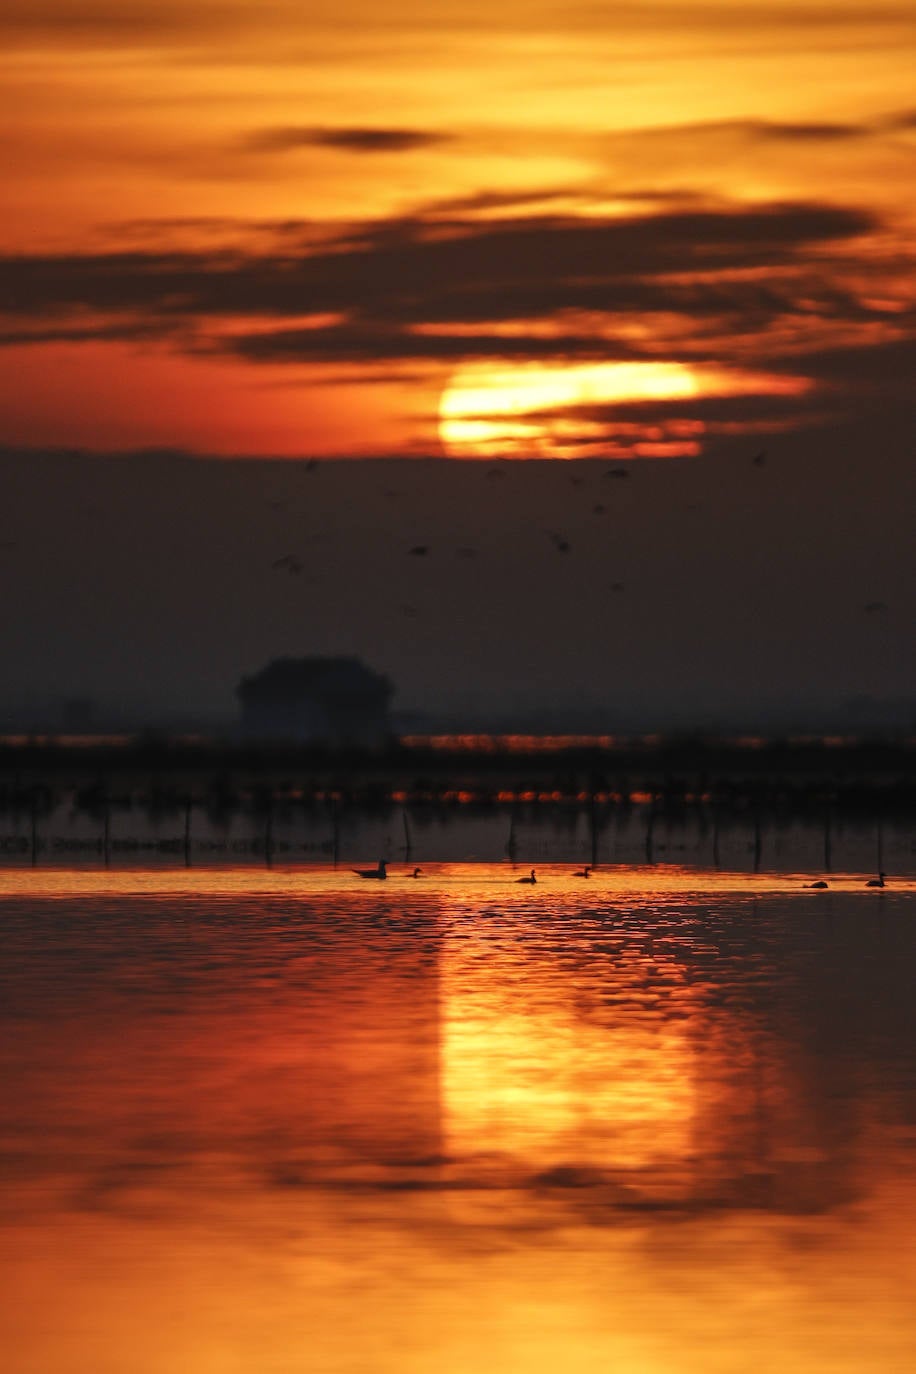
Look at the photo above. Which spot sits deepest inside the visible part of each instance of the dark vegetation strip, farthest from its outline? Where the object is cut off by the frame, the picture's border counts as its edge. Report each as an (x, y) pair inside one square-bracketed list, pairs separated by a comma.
[(162, 777)]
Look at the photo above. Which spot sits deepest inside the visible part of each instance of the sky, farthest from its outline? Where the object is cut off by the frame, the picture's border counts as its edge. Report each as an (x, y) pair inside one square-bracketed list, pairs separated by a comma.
[(673, 238)]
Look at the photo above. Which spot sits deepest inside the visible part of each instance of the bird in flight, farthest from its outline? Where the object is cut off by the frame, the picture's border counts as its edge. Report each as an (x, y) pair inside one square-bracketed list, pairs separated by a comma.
[(289, 563)]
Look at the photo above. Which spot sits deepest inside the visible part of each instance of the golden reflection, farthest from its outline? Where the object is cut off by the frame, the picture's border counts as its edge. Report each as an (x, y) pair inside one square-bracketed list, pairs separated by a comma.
[(274, 1121), (541, 1073)]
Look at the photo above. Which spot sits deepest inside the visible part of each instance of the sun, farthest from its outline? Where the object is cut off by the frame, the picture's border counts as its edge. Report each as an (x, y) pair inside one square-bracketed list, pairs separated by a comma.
[(555, 411)]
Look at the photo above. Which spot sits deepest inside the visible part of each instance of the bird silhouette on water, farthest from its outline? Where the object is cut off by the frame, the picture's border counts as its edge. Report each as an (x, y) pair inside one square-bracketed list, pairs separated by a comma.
[(417, 873), (820, 883), (877, 882), (585, 872), (531, 879), (378, 872)]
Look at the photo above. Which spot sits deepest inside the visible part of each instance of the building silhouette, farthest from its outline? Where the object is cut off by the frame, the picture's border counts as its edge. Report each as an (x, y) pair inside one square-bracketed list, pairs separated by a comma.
[(333, 701)]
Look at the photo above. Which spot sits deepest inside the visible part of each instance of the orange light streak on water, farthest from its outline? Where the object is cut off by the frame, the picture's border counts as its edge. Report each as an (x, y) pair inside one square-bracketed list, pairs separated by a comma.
[(655, 1120)]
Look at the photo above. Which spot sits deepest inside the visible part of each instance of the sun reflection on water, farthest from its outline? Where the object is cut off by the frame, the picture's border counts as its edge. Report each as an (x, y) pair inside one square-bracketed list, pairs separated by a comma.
[(653, 1121)]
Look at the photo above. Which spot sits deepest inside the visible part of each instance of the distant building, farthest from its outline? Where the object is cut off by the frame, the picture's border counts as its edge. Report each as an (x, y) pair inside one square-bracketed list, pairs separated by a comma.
[(335, 701)]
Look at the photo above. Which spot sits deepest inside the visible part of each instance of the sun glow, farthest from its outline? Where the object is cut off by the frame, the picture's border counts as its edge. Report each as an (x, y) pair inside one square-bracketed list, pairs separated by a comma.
[(543, 411)]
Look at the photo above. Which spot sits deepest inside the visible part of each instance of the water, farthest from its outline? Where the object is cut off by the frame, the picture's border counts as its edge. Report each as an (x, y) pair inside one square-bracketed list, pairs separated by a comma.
[(658, 1120)]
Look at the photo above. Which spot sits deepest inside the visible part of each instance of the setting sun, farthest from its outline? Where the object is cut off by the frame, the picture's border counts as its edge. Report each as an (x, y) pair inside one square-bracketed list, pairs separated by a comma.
[(545, 411)]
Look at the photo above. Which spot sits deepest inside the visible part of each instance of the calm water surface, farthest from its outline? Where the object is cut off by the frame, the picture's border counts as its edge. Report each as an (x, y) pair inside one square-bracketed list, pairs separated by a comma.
[(658, 1122)]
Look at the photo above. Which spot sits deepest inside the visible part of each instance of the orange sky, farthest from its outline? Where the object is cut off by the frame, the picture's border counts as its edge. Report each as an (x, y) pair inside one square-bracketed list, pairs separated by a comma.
[(313, 229)]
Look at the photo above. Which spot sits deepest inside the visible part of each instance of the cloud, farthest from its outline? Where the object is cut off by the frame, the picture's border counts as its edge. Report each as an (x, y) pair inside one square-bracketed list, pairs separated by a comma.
[(760, 286), (901, 119), (763, 129), (398, 270), (363, 343), (348, 140), (77, 22)]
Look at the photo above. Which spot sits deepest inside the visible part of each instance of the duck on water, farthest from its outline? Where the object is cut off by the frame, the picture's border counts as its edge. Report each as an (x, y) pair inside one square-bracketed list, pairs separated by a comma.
[(532, 879), (378, 872)]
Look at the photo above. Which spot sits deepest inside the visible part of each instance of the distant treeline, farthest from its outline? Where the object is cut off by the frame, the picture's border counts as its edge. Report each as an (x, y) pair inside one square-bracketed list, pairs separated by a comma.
[(164, 777)]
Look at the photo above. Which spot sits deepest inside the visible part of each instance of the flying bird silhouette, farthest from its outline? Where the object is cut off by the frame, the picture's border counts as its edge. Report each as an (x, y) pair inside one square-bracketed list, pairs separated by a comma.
[(561, 544), (290, 563)]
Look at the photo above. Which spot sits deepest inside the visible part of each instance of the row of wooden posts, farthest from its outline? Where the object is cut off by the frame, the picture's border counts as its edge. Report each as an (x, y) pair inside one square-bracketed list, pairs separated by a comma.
[(266, 844)]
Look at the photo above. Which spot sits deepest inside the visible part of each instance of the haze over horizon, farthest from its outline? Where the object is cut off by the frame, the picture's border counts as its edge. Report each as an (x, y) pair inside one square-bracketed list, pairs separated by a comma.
[(699, 591)]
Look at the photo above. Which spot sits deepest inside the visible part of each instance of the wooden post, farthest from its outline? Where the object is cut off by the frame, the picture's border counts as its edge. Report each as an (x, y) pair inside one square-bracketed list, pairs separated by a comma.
[(269, 832), (511, 846), (187, 832)]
